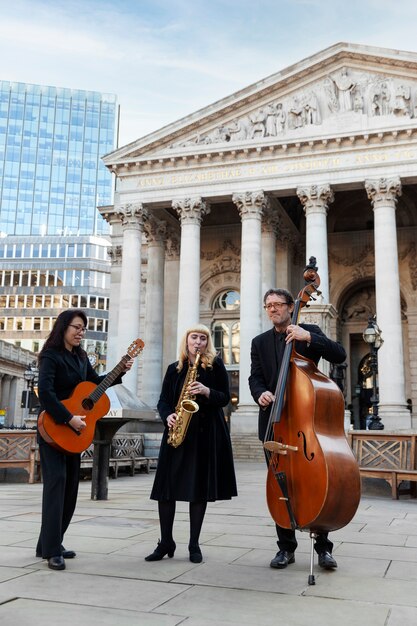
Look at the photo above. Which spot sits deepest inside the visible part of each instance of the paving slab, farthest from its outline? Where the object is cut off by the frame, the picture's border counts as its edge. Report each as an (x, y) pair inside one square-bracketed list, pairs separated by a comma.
[(110, 583)]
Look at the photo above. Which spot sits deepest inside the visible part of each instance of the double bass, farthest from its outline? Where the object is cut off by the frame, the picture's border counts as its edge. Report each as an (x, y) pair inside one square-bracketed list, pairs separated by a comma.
[(313, 480)]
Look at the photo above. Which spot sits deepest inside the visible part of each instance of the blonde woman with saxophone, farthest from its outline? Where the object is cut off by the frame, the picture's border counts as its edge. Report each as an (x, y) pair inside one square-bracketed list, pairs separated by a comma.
[(195, 467)]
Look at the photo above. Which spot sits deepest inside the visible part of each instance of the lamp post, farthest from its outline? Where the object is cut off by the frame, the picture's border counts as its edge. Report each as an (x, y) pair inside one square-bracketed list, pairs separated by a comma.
[(30, 375), (373, 337)]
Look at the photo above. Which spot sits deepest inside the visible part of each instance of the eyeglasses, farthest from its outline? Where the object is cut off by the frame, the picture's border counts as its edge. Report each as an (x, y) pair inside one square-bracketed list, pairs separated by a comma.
[(275, 305), (79, 329)]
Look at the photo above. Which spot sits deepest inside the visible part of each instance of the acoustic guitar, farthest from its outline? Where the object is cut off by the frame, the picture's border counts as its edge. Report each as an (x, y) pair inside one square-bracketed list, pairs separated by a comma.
[(87, 399)]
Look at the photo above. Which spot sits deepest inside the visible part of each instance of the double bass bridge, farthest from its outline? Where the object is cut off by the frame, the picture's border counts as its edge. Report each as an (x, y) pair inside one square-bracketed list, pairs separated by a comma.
[(279, 448)]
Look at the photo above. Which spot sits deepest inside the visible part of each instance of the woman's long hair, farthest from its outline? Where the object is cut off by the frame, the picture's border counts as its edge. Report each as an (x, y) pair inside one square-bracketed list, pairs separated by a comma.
[(209, 354), (55, 338)]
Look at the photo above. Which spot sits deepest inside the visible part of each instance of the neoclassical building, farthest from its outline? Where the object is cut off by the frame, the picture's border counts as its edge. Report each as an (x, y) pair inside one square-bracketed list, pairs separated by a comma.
[(318, 160)]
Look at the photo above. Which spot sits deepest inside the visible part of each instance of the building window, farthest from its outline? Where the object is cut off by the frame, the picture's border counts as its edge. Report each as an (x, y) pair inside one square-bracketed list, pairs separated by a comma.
[(226, 337), (227, 300)]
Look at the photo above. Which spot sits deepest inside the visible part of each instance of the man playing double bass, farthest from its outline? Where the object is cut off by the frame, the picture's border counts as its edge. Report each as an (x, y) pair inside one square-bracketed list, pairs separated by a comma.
[(267, 352)]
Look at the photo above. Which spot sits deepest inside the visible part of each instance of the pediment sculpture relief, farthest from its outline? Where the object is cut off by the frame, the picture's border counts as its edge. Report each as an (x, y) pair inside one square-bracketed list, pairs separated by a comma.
[(345, 92)]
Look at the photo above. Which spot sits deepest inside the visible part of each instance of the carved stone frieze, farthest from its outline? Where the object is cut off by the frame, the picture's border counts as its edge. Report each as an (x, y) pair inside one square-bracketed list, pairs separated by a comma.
[(345, 92), (191, 210)]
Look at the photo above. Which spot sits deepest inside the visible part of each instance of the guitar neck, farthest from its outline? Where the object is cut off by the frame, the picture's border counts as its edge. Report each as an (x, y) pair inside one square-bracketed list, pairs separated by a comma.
[(109, 379)]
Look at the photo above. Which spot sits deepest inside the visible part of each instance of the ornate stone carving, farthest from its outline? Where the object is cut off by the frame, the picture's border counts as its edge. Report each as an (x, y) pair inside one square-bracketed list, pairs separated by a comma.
[(191, 210), (315, 196), (133, 216), (227, 245), (155, 229), (352, 258), (383, 190), (348, 92), (250, 203), (115, 253), (361, 306), (172, 244), (271, 220), (412, 264)]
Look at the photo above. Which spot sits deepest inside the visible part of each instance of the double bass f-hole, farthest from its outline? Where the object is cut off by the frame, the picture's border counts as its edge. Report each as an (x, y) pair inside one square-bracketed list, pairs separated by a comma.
[(306, 455)]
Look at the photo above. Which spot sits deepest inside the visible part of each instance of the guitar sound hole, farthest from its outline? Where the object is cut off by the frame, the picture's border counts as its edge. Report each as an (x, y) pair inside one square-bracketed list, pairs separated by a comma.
[(87, 404)]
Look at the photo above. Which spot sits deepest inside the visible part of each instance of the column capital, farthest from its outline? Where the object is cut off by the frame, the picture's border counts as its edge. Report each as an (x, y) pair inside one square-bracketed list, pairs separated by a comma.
[(191, 210), (115, 253), (271, 220), (155, 230), (315, 198), (251, 203), (383, 190), (133, 216)]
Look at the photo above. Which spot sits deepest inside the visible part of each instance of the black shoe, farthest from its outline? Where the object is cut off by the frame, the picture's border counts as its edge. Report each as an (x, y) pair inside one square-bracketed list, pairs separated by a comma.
[(56, 562), (68, 554), (160, 551), (195, 554), (326, 560), (282, 559)]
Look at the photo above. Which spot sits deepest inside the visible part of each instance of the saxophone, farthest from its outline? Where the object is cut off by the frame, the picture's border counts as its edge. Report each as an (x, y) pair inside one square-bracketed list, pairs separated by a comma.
[(186, 406)]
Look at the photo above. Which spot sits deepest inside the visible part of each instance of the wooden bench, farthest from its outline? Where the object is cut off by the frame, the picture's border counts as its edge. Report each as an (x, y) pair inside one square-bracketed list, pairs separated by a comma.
[(126, 451), (387, 455), (18, 448)]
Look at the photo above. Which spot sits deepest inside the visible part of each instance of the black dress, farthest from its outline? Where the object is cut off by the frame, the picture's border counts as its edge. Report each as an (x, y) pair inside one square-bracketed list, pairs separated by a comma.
[(201, 468)]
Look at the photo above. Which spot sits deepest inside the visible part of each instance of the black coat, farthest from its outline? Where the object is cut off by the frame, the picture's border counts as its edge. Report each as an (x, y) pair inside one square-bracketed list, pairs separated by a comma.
[(201, 468), (265, 369), (60, 371)]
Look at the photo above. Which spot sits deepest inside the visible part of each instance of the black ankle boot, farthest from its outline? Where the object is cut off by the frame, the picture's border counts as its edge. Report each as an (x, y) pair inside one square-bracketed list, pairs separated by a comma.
[(161, 550), (195, 554)]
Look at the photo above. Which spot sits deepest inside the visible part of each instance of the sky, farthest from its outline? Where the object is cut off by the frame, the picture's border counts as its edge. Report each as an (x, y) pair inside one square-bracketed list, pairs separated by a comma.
[(165, 59)]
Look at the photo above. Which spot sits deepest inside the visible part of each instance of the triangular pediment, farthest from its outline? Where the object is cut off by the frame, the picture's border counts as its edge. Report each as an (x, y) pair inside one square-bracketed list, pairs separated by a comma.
[(345, 88)]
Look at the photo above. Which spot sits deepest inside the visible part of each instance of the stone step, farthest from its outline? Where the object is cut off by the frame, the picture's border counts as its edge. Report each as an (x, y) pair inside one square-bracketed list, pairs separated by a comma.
[(247, 447)]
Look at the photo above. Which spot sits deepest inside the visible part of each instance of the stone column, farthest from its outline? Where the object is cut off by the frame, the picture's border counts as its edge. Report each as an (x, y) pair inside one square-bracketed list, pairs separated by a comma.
[(115, 252), (315, 200), (132, 217), (269, 225), (154, 312), (5, 399), (251, 206), (191, 212), (172, 272), (383, 194)]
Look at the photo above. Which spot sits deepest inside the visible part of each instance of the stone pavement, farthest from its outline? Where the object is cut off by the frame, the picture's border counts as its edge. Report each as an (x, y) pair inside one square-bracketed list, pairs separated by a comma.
[(109, 583)]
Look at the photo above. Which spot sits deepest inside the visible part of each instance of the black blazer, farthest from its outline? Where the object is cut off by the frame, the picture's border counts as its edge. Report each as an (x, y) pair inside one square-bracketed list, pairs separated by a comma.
[(265, 369), (60, 371)]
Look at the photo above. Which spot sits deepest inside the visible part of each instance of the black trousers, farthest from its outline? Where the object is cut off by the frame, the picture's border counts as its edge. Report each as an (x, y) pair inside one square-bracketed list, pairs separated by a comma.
[(287, 540), (60, 476)]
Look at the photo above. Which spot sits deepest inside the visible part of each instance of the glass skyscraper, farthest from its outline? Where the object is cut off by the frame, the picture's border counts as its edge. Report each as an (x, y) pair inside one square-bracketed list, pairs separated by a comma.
[(53, 241), (51, 175)]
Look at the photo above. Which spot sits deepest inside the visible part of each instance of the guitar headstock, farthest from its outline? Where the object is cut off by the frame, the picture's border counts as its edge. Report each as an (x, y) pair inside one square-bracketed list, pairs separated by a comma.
[(135, 348)]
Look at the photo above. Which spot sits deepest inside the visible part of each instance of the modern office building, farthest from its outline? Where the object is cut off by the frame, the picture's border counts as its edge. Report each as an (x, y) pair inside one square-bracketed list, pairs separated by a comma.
[(53, 241)]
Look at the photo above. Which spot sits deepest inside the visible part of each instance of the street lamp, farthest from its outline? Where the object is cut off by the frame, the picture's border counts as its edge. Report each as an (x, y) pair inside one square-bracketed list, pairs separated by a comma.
[(31, 375), (373, 337)]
